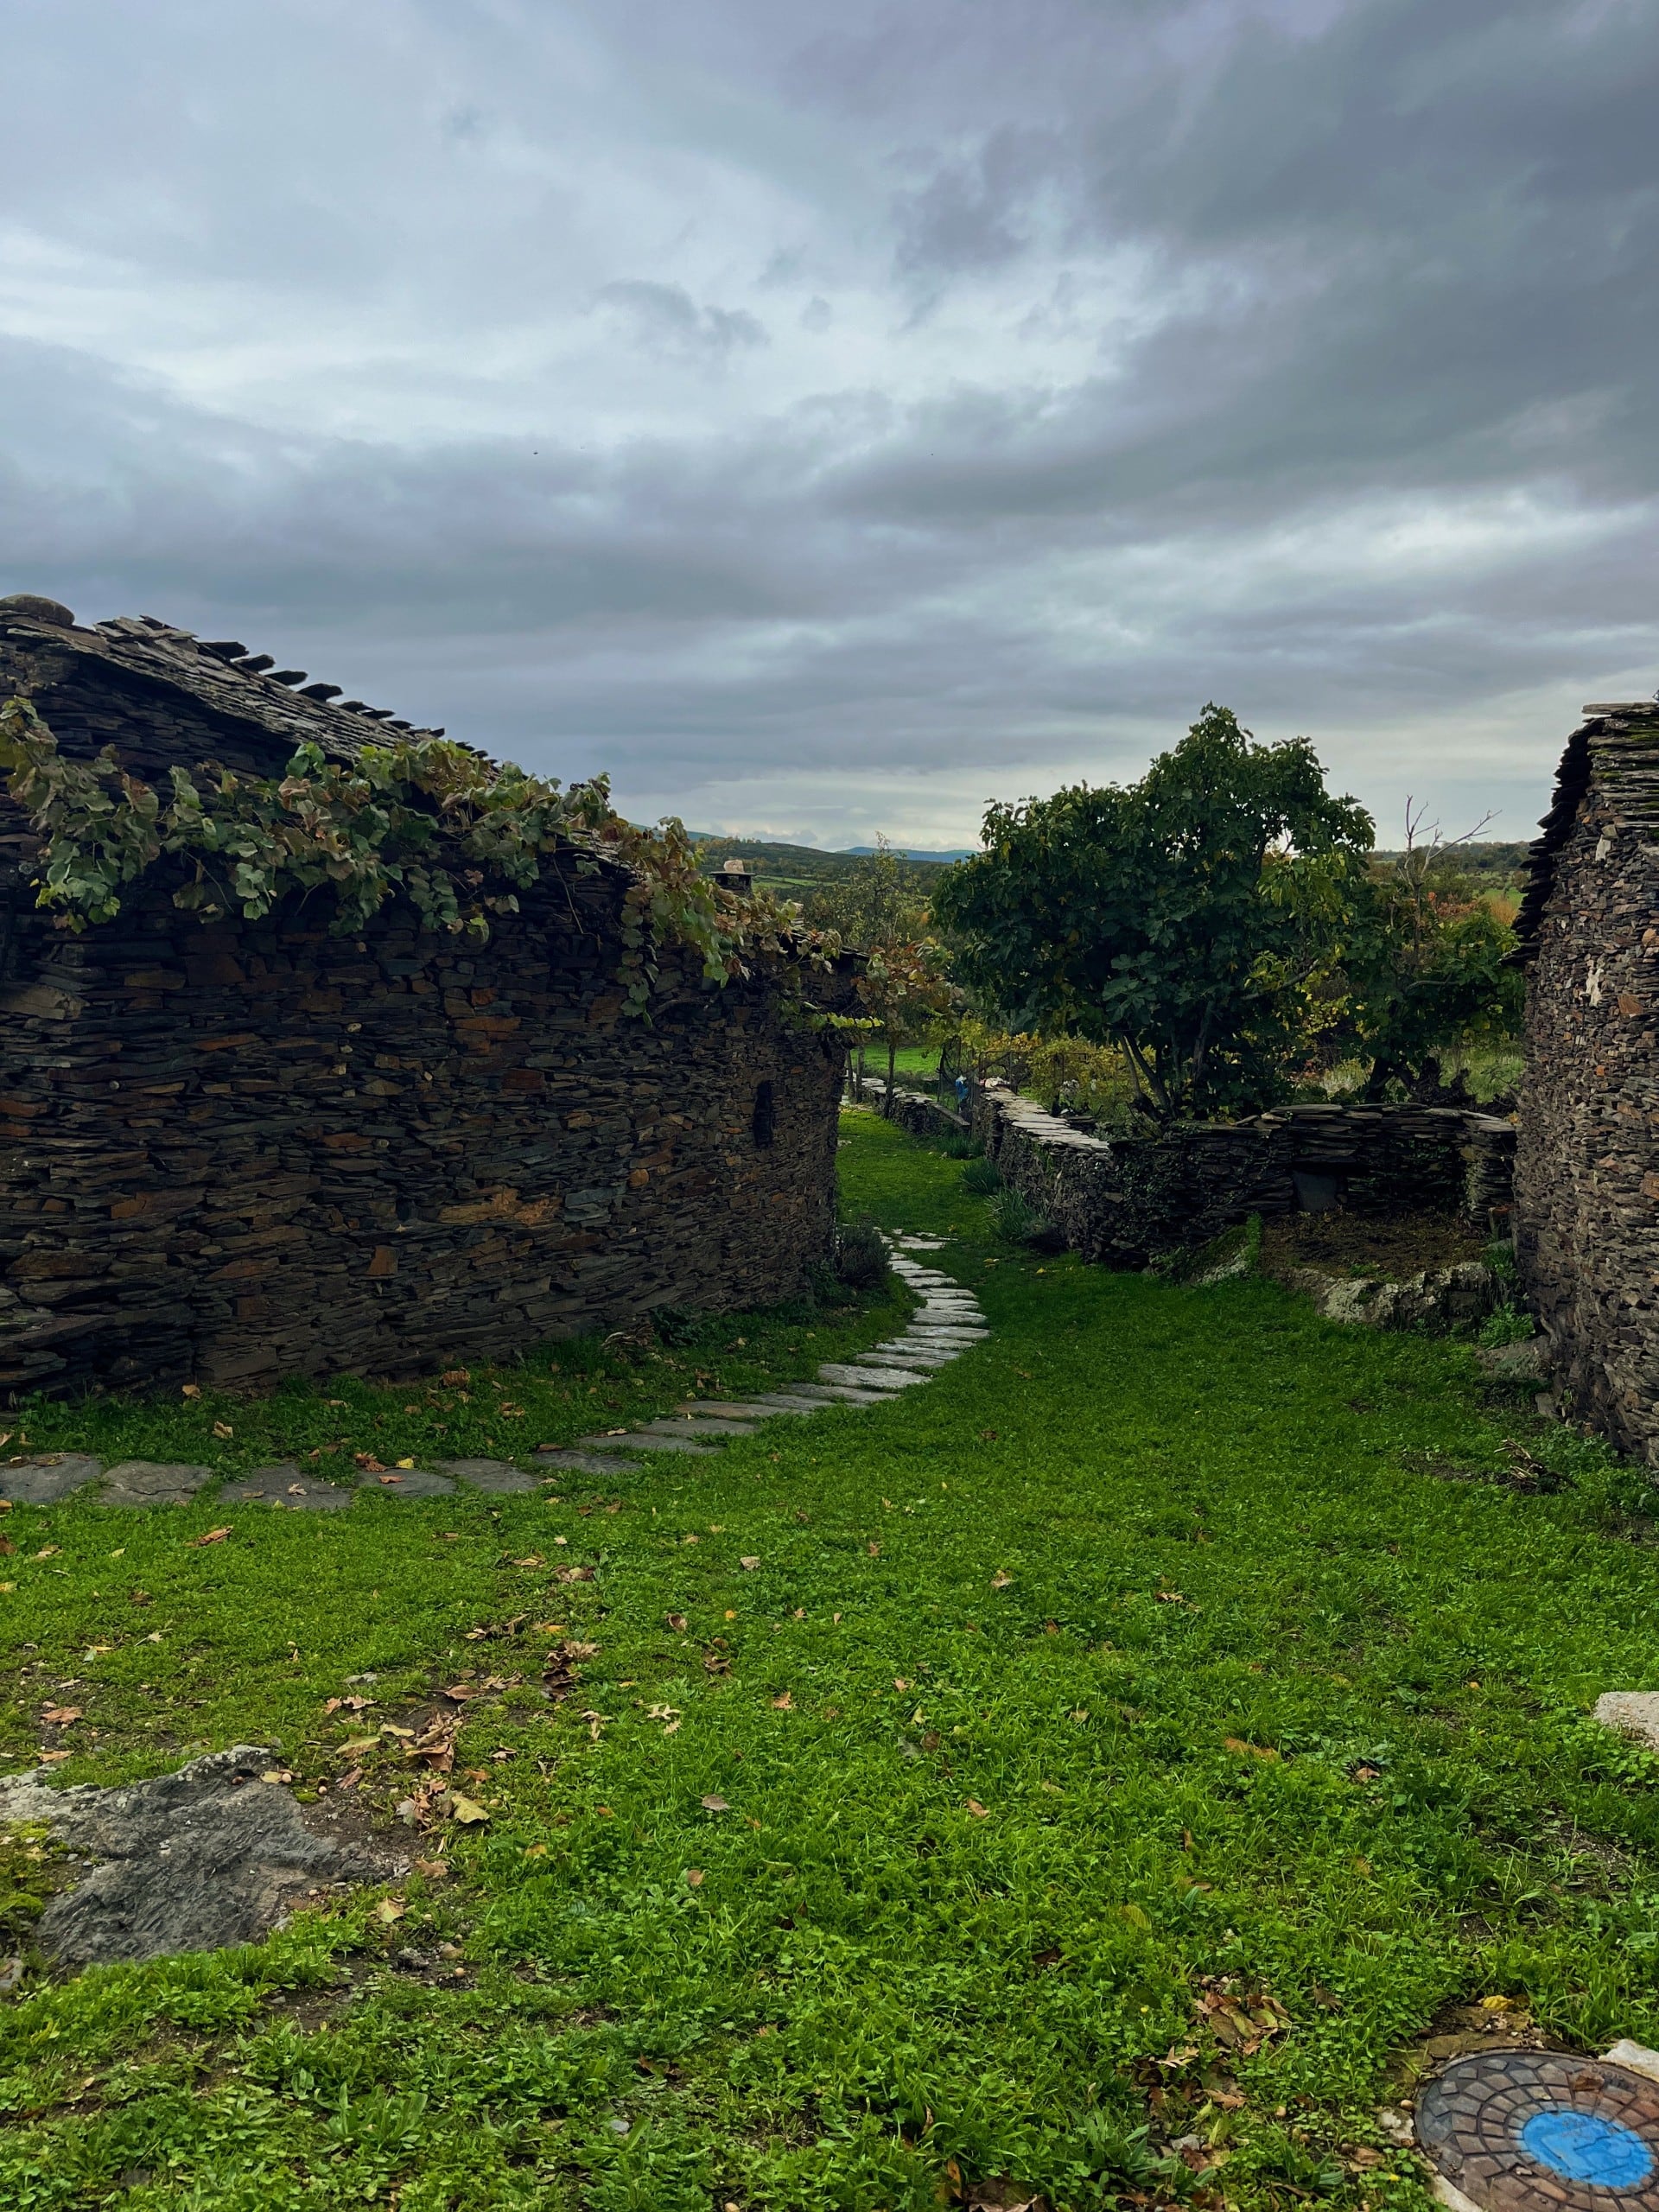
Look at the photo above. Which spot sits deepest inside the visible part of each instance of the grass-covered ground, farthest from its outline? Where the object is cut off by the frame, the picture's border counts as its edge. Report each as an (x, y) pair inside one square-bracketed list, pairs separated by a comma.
[(1133, 1737)]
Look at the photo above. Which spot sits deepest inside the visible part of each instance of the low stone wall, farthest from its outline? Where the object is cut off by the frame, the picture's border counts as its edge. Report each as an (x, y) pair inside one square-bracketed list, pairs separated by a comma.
[(1118, 1200), (916, 1114)]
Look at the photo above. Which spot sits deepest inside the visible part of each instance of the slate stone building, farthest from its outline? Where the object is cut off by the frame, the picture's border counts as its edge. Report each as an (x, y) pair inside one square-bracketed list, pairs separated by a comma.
[(1587, 1155), (241, 1151)]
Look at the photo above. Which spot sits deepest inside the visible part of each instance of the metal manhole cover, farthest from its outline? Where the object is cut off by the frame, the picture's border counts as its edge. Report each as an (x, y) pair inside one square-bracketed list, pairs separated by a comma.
[(1520, 2130)]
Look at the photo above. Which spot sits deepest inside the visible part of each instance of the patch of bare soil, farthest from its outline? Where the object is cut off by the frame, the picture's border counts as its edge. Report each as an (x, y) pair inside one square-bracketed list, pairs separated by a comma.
[(1337, 1243), (1489, 2023)]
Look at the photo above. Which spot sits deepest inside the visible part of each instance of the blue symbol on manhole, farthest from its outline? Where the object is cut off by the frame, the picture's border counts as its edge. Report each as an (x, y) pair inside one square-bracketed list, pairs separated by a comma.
[(1580, 2146)]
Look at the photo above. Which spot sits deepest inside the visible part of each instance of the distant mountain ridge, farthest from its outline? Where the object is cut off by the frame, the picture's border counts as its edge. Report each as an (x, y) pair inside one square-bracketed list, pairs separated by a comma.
[(914, 853)]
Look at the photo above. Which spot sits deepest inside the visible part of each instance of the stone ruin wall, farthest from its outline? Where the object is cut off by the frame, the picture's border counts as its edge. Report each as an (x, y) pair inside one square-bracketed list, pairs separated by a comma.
[(235, 1154), (240, 1152), (1587, 1168), (1118, 1200)]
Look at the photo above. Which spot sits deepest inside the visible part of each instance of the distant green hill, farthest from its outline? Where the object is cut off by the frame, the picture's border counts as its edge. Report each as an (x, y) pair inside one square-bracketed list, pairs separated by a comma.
[(794, 870)]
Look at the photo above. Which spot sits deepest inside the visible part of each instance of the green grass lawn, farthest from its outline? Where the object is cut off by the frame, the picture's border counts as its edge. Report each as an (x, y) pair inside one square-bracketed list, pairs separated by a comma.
[(1127, 1737)]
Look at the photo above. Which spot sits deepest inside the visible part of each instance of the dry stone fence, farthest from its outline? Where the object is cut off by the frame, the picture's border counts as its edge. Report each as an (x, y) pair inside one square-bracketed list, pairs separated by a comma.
[(1121, 1199), (238, 1151)]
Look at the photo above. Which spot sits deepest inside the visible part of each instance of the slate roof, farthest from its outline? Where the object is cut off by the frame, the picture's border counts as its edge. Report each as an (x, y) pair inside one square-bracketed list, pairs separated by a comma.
[(219, 673), (1617, 747)]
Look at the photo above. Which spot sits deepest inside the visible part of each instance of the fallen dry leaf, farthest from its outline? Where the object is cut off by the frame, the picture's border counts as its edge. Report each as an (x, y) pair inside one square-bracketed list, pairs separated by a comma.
[(783, 1701), (190, 1389), (213, 1536), (753, 1561), (1255, 1751), (368, 1463), (1001, 1581), (575, 1574), (276, 1774), (874, 1550), (61, 1715), (50, 1758), (466, 1810), (389, 1908), (435, 1870), (530, 1559), (716, 1805), (455, 1378), (693, 1877), (222, 1429), (980, 1812), (899, 1683), (48, 1551)]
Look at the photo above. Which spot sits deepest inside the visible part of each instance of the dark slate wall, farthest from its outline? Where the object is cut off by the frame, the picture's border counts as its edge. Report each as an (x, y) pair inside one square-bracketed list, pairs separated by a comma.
[(237, 1152), (1118, 1200), (1587, 1164)]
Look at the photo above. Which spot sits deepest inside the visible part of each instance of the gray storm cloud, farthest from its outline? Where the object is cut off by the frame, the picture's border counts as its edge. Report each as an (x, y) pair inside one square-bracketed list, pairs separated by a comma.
[(827, 420)]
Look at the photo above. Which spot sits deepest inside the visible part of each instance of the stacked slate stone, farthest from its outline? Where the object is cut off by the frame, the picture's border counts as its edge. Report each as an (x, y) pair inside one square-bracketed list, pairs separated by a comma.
[(236, 1151), (1120, 1200), (1586, 1177)]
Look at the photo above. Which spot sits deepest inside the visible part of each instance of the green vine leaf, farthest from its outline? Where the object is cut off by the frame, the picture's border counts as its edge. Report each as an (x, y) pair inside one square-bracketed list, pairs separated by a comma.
[(456, 835)]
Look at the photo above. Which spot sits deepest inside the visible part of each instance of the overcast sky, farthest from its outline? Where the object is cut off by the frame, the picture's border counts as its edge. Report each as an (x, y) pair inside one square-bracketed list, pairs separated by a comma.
[(827, 417)]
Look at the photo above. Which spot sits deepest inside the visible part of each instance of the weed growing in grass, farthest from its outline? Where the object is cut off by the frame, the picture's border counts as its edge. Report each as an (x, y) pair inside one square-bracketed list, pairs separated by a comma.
[(980, 1179), (1116, 1743), (1509, 1325)]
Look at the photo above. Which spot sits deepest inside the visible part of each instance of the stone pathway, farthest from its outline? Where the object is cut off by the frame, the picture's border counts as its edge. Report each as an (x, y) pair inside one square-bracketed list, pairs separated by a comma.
[(948, 1322)]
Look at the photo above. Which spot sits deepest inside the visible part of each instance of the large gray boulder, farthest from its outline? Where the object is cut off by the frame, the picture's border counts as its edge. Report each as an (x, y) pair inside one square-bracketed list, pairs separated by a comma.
[(192, 1861)]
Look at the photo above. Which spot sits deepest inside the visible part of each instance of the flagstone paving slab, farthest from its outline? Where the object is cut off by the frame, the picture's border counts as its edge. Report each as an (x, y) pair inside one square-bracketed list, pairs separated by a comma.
[(837, 1393), (562, 1461), (152, 1482), (287, 1488), (43, 1480), (408, 1482), (869, 1378), (499, 1477), (687, 1425), (635, 1439)]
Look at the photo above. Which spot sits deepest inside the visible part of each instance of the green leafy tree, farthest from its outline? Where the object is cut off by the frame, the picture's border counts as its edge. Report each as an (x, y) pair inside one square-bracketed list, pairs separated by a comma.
[(1192, 918), (905, 986)]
